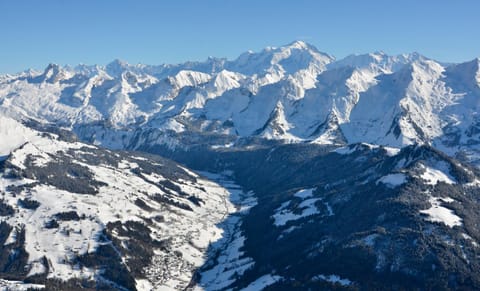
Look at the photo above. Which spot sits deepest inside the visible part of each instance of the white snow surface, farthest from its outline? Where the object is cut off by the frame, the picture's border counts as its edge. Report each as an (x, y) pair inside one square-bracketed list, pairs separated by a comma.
[(230, 260), (346, 150), (439, 173), (438, 213), (13, 134), (7, 285), (393, 180), (391, 151), (305, 193), (262, 282), (307, 207), (335, 279)]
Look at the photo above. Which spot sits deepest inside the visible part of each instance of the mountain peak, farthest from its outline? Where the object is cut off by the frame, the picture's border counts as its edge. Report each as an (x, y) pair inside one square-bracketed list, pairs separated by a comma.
[(378, 55), (378, 60), (116, 67), (476, 61), (427, 67), (305, 46), (413, 55), (299, 44), (118, 62), (477, 75), (52, 68), (466, 71), (52, 73)]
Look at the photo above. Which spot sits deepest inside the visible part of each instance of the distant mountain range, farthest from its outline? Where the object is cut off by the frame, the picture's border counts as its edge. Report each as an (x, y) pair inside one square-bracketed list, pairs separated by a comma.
[(292, 93), (284, 169)]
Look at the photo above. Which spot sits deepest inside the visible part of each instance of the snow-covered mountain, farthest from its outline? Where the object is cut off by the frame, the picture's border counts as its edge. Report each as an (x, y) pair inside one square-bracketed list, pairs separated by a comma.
[(292, 93), (346, 182), (73, 213)]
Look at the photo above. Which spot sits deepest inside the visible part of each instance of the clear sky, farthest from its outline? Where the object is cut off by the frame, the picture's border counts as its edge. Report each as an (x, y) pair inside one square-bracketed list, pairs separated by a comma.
[(35, 33)]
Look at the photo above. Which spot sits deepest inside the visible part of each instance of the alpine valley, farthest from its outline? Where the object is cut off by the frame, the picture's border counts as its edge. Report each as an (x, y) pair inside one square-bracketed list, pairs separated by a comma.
[(284, 169)]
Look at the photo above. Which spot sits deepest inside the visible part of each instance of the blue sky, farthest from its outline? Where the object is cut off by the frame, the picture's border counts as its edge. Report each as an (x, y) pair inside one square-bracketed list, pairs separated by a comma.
[(35, 33)]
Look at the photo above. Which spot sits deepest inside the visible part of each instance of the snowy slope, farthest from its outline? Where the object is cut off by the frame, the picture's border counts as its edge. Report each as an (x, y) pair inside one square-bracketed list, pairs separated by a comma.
[(73, 211), (13, 134)]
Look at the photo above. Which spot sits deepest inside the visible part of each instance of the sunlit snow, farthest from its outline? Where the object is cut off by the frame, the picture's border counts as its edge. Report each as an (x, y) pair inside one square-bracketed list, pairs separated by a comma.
[(393, 180), (438, 213), (434, 175)]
